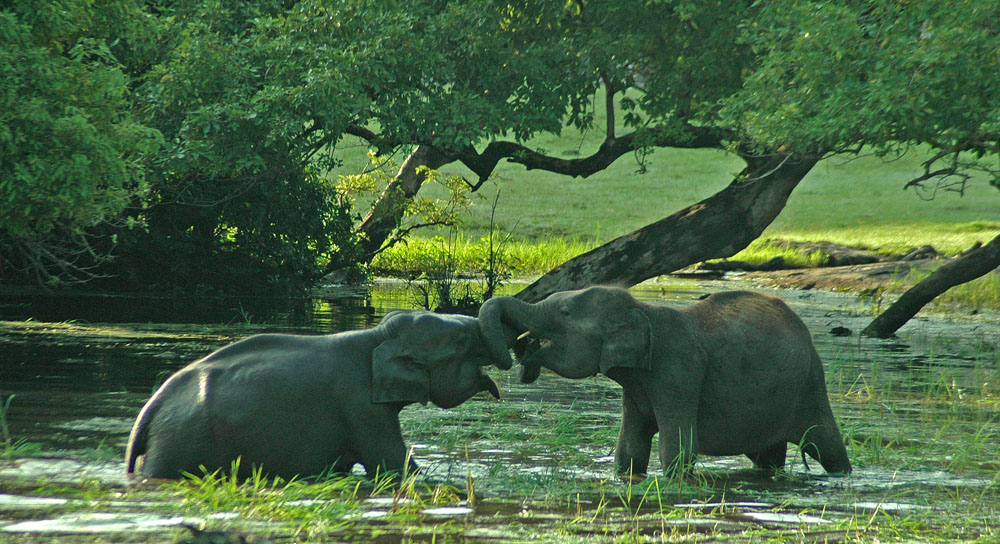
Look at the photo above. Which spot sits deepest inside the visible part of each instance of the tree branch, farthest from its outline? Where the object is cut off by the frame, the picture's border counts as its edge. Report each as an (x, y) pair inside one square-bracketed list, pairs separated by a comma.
[(382, 146), (361, 132), (719, 226), (611, 149), (609, 109), (975, 263)]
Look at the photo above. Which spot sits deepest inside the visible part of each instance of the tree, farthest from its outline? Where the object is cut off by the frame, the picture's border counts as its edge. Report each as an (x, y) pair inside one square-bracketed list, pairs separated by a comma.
[(70, 151), (239, 200), (922, 74), (511, 71), (781, 84)]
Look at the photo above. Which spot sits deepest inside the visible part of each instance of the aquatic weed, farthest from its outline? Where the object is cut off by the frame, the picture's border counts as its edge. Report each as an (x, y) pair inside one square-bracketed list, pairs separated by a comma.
[(323, 503), (4, 429), (14, 448)]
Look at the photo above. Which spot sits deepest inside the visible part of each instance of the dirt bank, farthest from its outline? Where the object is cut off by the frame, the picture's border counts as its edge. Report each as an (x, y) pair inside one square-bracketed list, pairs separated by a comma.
[(854, 278)]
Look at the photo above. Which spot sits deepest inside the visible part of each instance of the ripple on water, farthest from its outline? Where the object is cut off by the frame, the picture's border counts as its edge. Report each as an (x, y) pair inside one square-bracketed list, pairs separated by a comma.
[(100, 522), (11, 503), (63, 471)]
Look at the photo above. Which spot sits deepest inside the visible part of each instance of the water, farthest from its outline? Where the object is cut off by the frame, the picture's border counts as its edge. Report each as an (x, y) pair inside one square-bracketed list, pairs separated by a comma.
[(920, 413)]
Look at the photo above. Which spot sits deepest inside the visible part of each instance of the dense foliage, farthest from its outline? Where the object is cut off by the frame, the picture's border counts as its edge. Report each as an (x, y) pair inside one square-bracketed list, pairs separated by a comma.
[(237, 196), (840, 76), (195, 138), (69, 147)]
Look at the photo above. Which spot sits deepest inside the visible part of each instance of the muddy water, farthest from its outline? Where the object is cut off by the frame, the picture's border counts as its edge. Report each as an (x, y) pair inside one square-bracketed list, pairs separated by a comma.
[(920, 413)]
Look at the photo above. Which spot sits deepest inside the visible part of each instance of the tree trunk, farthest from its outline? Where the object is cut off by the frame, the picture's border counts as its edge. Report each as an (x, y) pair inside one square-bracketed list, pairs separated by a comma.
[(968, 267), (717, 227), (387, 212)]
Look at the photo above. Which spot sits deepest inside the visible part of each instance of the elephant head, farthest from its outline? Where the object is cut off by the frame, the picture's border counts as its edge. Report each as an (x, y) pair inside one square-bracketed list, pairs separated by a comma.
[(430, 357), (576, 334)]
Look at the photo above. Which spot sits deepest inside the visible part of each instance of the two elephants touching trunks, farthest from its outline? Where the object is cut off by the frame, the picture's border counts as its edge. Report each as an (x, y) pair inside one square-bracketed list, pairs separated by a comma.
[(734, 374)]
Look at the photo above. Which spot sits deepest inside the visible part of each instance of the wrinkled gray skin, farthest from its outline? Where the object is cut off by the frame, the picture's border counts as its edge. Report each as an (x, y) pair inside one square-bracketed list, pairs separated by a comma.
[(305, 405), (736, 373)]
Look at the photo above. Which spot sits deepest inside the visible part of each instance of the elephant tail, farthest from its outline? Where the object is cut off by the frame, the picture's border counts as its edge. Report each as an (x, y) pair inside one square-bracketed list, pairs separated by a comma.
[(140, 433)]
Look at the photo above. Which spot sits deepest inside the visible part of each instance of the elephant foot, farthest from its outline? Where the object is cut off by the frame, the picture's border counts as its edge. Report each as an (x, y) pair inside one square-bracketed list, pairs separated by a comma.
[(630, 476), (770, 458)]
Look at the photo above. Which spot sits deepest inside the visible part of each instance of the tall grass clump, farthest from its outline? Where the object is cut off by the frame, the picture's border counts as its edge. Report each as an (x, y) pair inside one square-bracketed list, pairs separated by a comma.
[(894, 239), (320, 505), (467, 254)]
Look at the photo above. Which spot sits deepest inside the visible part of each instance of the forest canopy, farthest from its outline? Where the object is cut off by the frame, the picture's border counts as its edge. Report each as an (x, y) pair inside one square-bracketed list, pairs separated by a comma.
[(191, 142)]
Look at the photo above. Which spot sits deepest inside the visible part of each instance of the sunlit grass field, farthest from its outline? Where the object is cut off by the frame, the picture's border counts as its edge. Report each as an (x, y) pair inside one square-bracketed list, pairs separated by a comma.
[(861, 203)]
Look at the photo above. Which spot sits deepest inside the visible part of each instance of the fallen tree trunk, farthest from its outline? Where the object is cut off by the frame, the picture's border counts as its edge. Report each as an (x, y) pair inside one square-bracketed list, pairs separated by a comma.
[(717, 227), (968, 267)]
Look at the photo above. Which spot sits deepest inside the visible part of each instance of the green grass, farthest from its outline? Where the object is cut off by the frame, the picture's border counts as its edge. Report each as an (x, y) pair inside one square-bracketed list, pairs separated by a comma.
[(762, 250), (859, 203), (9, 447)]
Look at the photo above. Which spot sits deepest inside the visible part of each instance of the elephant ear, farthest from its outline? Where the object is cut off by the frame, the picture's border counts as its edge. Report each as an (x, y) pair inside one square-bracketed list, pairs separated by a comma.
[(626, 343), (397, 377)]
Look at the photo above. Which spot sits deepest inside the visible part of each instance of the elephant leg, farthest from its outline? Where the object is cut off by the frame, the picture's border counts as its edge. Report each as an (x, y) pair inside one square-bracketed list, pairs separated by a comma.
[(678, 446), (389, 460), (770, 458), (823, 443), (635, 437), (381, 449)]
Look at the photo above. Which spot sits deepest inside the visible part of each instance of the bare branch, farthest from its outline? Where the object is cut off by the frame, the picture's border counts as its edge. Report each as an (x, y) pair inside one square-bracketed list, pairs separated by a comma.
[(60, 257), (611, 149), (401, 233)]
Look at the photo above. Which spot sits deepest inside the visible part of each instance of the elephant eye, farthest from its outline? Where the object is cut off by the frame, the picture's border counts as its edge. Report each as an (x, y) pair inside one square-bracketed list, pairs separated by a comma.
[(564, 311)]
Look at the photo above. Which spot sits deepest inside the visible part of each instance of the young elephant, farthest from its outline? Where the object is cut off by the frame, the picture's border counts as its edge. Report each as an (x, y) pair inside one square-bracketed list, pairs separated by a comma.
[(304, 405), (736, 373)]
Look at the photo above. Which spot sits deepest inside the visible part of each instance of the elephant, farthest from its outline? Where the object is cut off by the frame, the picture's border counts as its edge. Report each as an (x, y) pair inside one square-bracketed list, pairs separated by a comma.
[(735, 373), (298, 405)]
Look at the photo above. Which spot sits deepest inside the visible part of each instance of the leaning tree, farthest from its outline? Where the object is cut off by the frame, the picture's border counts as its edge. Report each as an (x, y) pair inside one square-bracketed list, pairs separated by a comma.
[(782, 85)]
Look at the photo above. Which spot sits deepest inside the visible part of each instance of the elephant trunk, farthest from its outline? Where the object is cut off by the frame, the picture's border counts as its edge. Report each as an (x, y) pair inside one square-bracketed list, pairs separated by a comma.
[(501, 320), (487, 384), (528, 373)]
